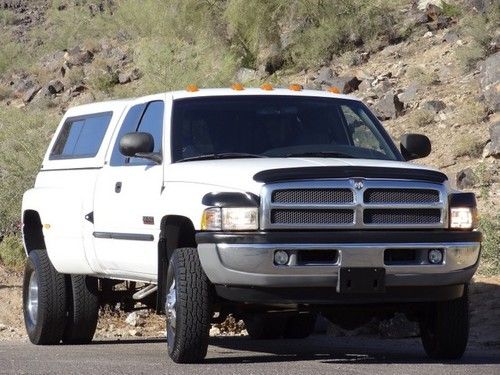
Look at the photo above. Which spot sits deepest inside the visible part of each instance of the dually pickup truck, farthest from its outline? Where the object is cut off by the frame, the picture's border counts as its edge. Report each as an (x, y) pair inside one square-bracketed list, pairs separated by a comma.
[(273, 205)]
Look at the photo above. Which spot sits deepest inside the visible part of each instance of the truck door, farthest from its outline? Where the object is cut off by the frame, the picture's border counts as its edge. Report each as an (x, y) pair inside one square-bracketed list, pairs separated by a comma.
[(126, 221)]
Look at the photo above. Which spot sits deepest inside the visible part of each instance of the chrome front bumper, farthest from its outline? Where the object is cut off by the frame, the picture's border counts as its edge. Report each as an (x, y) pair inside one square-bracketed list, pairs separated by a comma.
[(252, 264)]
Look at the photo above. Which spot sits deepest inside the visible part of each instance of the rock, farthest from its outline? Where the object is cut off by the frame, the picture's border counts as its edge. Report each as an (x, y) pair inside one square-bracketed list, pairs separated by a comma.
[(388, 106), (466, 178), (409, 94), (55, 86), (53, 61), (423, 4), (214, 331), (495, 139), (428, 34), (246, 75), (435, 106), (451, 37), (270, 58), (489, 79), (3, 327), (134, 332), (346, 84), (129, 76), (325, 75), (398, 327), (133, 319), (365, 86), (30, 93), (77, 56)]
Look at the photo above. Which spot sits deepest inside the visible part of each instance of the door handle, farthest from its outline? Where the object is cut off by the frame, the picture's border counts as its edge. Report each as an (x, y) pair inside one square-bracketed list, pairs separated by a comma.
[(118, 187)]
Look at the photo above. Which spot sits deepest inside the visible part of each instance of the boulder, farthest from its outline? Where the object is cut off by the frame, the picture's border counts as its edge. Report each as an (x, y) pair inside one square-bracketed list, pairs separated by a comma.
[(409, 94), (77, 57), (55, 86), (489, 79), (246, 75), (30, 93), (423, 4), (466, 178), (494, 149), (346, 84), (435, 106), (325, 76), (451, 37), (388, 106), (129, 76)]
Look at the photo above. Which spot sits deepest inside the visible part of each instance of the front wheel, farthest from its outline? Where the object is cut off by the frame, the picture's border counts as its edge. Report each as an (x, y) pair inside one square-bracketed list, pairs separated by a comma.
[(44, 300), (445, 328), (188, 307)]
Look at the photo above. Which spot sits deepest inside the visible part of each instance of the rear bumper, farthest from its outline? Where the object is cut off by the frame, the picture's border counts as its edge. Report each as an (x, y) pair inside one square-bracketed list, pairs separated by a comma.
[(246, 260)]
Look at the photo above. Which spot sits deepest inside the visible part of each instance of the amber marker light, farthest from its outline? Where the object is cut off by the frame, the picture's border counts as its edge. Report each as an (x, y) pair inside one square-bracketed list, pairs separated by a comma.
[(192, 88), (295, 87), (334, 90), (267, 87), (237, 86)]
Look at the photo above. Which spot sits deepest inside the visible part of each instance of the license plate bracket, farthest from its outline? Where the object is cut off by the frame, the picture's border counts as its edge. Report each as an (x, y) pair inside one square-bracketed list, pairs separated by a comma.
[(356, 280)]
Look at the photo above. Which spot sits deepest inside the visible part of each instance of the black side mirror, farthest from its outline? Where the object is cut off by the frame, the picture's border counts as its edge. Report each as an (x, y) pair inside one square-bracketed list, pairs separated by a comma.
[(139, 145), (415, 146)]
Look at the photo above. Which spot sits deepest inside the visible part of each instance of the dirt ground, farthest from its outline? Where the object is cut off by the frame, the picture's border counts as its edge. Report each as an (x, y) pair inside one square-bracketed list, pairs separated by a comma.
[(485, 314)]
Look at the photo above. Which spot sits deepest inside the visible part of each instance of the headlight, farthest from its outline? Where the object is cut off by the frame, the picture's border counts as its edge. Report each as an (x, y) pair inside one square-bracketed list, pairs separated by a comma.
[(230, 218), (462, 217)]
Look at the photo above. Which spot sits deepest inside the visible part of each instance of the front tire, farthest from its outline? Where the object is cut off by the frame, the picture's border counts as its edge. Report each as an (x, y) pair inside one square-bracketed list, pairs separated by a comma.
[(83, 310), (188, 307), (44, 300), (445, 328)]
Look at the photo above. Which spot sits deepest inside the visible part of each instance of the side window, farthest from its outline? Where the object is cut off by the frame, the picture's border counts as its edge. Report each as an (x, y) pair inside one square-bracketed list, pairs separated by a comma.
[(148, 118), (81, 137), (129, 125)]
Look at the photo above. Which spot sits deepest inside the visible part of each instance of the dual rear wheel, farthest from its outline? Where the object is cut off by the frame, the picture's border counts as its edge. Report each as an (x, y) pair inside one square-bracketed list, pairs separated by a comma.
[(58, 307)]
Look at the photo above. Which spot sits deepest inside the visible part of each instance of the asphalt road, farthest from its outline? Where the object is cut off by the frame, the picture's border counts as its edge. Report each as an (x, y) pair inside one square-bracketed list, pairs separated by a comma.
[(241, 355)]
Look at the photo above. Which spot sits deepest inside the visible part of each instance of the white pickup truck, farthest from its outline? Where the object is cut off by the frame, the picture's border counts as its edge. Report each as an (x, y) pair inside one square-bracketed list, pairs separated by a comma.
[(274, 205)]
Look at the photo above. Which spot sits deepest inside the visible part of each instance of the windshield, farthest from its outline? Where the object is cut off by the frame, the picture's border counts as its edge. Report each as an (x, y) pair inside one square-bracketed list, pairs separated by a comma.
[(276, 126)]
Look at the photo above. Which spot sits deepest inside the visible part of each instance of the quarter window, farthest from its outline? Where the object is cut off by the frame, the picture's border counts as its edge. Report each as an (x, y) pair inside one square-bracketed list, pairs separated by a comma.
[(81, 137)]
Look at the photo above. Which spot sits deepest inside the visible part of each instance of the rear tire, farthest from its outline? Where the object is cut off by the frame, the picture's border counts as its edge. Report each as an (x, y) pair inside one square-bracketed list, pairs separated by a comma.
[(445, 328), (265, 326), (300, 326), (44, 300), (83, 310), (188, 307)]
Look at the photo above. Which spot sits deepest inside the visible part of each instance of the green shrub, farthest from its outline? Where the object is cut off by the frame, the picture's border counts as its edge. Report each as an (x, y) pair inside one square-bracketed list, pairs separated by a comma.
[(11, 252), (422, 117), (468, 145), (490, 253), (24, 137), (450, 9)]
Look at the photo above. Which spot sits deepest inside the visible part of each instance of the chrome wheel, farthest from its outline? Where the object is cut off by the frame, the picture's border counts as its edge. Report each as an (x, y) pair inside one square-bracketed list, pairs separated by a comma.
[(32, 303), (170, 306)]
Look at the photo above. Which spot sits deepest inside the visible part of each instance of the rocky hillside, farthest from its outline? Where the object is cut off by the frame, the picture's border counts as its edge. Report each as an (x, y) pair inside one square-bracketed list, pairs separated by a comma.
[(425, 66)]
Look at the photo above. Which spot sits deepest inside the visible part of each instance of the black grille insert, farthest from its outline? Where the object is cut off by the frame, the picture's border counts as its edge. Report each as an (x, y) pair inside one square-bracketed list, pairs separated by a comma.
[(402, 216), (291, 216), (313, 196), (317, 257), (401, 196)]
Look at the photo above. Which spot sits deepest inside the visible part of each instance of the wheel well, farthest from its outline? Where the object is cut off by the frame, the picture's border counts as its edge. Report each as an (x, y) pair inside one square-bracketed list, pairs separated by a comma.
[(32, 231), (176, 232)]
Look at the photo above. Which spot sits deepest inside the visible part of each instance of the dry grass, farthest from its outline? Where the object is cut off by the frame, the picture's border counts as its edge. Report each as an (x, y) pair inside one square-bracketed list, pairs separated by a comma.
[(468, 145)]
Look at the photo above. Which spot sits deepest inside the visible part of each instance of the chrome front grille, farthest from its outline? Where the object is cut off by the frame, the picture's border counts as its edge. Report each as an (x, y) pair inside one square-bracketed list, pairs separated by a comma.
[(353, 203)]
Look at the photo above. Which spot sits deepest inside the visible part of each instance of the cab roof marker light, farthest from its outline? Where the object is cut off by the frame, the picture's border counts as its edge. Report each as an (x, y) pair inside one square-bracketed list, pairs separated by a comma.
[(192, 88), (295, 87), (237, 86), (334, 90), (266, 87)]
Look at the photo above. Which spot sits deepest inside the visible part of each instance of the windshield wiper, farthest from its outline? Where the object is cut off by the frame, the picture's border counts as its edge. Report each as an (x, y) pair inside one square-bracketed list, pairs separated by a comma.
[(222, 155), (320, 154)]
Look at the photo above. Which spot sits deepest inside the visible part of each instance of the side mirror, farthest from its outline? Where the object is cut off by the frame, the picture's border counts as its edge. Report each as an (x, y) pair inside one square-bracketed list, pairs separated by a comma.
[(415, 146), (140, 145)]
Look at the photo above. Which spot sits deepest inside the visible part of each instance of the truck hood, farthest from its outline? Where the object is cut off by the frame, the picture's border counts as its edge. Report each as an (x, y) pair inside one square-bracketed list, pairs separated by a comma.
[(237, 174)]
